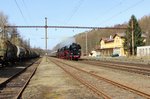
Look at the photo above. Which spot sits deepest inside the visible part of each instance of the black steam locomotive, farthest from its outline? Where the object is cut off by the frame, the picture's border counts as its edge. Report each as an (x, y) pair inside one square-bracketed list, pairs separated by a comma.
[(72, 52)]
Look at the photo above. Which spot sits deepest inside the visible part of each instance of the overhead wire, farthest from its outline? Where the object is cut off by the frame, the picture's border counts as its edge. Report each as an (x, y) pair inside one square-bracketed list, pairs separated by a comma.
[(111, 8), (130, 7), (27, 10), (20, 11), (75, 9), (115, 6)]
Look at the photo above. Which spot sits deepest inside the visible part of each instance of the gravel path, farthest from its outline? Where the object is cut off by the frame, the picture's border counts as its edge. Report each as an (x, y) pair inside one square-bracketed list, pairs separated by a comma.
[(51, 82)]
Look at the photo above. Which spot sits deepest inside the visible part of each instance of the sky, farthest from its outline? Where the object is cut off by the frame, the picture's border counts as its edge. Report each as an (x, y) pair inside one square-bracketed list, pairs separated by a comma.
[(101, 13)]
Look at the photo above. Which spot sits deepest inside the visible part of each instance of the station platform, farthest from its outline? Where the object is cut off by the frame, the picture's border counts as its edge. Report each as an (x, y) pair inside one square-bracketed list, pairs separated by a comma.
[(51, 82)]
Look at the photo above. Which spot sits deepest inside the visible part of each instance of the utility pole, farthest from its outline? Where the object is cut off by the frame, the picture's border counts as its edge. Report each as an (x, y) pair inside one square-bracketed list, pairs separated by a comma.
[(86, 43), (132, 37), (46, 37)]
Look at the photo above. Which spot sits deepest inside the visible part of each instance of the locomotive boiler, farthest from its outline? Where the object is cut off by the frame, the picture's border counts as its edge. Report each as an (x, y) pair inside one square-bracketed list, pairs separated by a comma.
[(72, 52)]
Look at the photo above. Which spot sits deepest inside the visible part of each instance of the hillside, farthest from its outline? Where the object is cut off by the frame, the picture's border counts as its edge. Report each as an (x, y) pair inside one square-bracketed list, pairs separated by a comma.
[(94, 36)]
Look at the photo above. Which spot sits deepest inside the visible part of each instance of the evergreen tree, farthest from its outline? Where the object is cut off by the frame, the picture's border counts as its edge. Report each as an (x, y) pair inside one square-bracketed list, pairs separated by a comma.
[(148, 38), (138, 40)]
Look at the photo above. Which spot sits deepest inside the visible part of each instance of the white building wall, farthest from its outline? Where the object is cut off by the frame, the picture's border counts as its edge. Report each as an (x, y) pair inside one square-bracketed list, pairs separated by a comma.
[(94, 54), (143, 51)]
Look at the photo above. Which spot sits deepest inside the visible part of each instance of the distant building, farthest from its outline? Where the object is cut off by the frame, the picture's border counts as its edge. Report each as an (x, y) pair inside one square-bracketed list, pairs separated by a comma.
[(113, 45), (106, 46), (143, 51)]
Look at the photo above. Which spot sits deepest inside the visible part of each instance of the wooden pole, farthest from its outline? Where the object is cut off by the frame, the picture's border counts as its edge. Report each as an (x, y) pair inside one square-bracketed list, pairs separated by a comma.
[(133, 52)]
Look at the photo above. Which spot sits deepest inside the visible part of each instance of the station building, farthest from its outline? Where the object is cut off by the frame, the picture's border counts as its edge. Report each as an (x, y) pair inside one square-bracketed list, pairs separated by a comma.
[(113, 45)]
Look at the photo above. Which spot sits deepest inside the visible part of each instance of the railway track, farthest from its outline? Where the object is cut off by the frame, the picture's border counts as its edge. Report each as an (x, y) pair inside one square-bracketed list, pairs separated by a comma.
[(88, 85), (101, 86), (144, 70), (14, 86)]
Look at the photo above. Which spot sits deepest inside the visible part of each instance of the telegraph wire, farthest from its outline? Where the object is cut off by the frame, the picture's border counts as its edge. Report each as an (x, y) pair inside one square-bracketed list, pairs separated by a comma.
[(24, 3), (111, 8), (76, 8), (115, 6), (132, 6), (20, 11), (26, 7)]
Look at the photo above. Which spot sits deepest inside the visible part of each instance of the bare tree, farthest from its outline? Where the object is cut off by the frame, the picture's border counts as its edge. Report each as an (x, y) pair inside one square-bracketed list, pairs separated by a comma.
[(3, 22)]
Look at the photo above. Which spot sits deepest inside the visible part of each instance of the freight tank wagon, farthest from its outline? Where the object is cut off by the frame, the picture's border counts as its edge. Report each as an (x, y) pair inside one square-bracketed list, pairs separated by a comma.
[(8, 52)]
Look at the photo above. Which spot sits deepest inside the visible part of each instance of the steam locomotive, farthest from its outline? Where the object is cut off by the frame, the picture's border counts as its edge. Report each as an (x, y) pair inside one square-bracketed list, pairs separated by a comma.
[(10, 53), (72, 52)]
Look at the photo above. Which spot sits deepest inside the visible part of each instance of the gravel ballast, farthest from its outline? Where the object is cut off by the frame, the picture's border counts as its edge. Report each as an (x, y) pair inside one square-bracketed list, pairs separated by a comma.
[(136, 81)]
